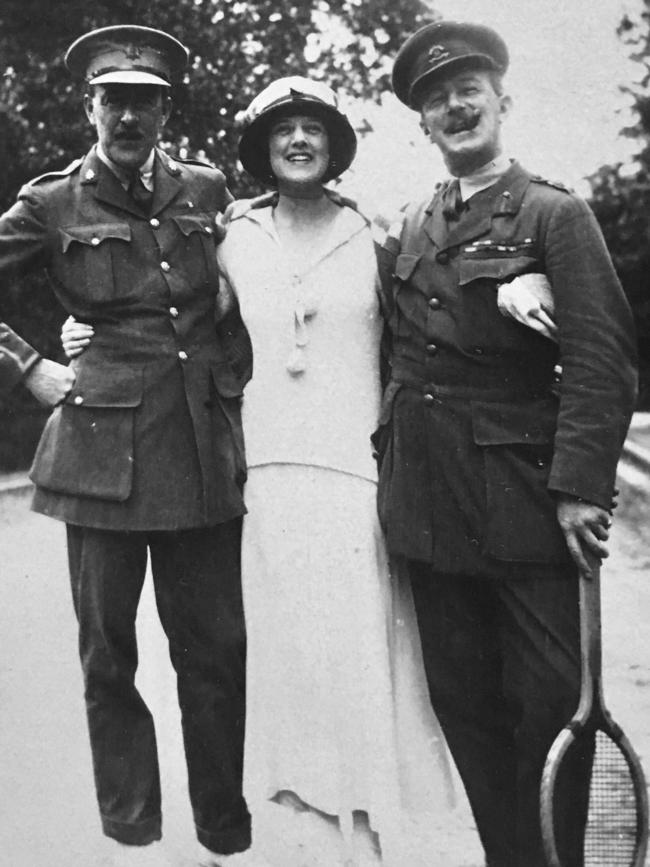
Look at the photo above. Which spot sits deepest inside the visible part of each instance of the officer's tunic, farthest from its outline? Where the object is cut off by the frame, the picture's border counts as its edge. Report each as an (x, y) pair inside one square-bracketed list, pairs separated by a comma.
[(475, 434), (149, 438)]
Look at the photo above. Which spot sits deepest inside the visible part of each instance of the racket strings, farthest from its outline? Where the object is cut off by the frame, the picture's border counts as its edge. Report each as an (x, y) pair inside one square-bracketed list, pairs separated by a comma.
[(611, 834)]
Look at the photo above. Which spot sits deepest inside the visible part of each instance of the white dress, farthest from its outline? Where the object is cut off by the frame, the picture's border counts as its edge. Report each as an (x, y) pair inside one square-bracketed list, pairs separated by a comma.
[(337, 707)]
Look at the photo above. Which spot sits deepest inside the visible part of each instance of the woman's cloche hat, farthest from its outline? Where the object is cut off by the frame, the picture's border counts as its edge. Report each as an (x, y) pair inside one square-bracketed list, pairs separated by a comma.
[(295, 95)]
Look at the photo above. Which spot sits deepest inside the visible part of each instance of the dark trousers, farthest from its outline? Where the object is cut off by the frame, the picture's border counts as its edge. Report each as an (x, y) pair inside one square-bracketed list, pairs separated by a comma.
[(197, 584), (502, 660)]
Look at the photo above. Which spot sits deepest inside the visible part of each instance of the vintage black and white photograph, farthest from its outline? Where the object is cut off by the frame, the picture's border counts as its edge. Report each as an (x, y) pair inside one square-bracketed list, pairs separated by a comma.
[(324, 433)]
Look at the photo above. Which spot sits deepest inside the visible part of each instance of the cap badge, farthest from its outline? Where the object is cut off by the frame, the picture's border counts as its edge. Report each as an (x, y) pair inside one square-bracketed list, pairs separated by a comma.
[(437, 52), (133, 52)]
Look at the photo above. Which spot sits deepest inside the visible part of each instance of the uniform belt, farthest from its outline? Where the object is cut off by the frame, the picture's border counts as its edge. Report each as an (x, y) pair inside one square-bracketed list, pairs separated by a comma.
[(505, 393)]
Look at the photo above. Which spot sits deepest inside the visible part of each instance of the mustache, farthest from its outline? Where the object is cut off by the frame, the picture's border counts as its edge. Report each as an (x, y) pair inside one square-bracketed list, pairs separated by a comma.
[(463, 119)]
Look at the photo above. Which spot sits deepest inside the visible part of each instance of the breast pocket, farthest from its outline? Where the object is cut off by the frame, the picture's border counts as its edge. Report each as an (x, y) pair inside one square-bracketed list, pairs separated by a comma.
[(198, 248), (86, 265), (87, 447), (494, 269), (517, 445), (484, 328)]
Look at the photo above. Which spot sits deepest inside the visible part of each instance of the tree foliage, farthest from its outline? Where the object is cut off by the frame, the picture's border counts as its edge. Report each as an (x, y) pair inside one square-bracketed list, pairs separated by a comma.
[(237, 47), (621, 193)]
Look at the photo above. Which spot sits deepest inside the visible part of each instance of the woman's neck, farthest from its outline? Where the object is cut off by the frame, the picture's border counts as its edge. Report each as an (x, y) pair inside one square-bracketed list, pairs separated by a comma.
[(298, 205), (303, 224)]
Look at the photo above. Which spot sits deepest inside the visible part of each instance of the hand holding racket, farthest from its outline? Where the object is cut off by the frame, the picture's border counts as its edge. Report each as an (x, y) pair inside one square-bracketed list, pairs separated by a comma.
[(616, 832)]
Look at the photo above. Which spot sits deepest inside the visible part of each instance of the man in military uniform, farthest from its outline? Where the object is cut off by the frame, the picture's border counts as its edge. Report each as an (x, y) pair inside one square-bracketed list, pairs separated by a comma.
[(144, 457), (496, 480)]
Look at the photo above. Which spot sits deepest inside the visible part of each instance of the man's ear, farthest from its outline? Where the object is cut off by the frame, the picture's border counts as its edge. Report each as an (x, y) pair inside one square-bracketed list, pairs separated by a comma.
[(166, 107), (424, 127), (89, 109), (505, 105)]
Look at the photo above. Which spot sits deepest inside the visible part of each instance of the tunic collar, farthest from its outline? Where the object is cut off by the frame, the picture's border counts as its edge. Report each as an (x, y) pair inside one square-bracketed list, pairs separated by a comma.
[(485, 176), (145, 170)]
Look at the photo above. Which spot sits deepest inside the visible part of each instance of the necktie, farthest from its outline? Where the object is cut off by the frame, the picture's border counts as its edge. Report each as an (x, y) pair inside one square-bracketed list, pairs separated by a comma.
[(452, 202), (139, 193)]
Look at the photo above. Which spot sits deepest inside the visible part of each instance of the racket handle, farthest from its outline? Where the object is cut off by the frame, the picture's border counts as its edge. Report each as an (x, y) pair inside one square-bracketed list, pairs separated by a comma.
[(593, 562)]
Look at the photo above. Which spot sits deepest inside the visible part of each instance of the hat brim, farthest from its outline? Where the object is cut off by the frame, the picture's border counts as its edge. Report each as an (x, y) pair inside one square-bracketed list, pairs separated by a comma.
[(129, 76), (254, 143)]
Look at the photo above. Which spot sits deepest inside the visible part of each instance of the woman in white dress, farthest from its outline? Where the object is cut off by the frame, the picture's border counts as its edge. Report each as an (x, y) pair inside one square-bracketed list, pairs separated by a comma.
[(339, 728), (338, 717)]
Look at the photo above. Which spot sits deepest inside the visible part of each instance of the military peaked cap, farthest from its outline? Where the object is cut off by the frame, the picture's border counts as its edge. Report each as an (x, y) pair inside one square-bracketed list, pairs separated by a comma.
[(127, 54), (437, 48)]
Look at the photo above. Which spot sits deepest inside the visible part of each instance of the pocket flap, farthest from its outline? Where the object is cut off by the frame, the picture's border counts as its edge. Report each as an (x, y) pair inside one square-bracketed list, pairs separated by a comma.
[(109, 386), (405, 265), (225, 381), (189, 223), (529, 423), (497, 268), (94, 235)]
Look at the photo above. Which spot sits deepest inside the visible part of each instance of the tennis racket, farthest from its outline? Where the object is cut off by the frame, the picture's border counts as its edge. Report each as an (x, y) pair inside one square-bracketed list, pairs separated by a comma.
[(617, 820)]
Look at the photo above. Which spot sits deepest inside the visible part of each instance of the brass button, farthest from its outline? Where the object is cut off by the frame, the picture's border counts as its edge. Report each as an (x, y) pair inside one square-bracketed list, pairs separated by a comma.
[(173, 312), (435, 303), (208, 230), (154, 222), (78, 400), (182, 355), (429, 399), (165, 266), (432, 348), (94, 241)]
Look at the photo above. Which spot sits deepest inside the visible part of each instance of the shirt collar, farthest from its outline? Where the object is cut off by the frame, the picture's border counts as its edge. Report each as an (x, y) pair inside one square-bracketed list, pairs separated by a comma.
[(484, 177), (146, 169)]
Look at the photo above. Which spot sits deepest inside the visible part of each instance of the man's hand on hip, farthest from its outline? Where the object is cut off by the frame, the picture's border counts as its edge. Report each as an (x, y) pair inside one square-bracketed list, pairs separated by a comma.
[(586, 529), (49, 381)]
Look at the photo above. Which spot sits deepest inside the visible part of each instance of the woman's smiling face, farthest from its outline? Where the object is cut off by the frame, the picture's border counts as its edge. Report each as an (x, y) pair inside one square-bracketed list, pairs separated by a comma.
[(298, 151)]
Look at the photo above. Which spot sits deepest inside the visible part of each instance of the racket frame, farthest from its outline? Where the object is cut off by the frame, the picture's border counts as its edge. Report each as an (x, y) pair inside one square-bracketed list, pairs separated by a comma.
[(591, 716)]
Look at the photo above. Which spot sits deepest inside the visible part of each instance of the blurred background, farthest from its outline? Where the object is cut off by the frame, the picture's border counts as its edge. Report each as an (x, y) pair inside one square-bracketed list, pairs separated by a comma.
[(579, 76)]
